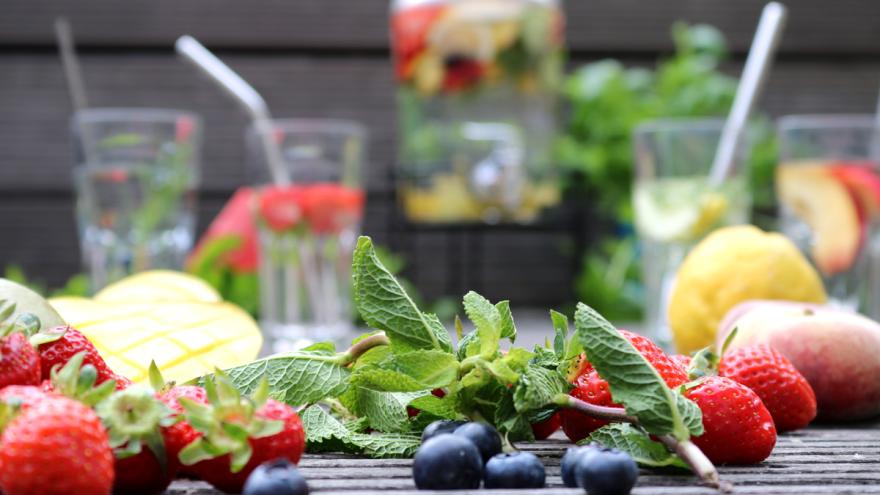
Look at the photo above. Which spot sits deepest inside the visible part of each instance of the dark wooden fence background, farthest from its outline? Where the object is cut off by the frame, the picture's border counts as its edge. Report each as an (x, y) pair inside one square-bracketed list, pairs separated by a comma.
[(329, 58)]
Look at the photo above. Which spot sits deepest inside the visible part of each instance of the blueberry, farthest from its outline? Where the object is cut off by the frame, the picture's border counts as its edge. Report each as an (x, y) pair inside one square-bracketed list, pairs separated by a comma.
[(516, 470), (606, 472), (484, 436), (278, 477), (447, 462), (439, 427), (569, 462)]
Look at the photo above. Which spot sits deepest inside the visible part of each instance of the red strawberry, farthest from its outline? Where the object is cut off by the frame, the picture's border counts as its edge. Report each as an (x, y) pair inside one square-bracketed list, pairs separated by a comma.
[(590, 387), (547, 427), (288, 444), (273, 431), (330, 208), (235, 220), (782, 389), (26, 394), (70, 343), (180, 434), (55, 446), (19, 361), (738, 428), (281, 207), (409, 33)]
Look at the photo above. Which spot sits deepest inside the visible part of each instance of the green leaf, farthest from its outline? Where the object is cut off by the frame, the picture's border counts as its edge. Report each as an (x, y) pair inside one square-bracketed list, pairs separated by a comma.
[(376, 378), (517, 358), (433, 369), (386, 411), (487, 321), (636, 443), (508, 327), (442, 407), (296, 378), (324, 433), (383, 445), (468, 346), (537, 388), (633, 381), (560, 330), (503, 372), (384, 304)]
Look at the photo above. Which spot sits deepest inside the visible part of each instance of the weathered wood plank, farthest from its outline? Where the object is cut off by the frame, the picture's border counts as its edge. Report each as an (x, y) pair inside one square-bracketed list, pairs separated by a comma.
[(815, 26), (815, 464)]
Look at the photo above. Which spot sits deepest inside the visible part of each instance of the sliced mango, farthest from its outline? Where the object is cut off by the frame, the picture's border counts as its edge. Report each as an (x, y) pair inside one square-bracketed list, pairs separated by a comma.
[(158, 286)]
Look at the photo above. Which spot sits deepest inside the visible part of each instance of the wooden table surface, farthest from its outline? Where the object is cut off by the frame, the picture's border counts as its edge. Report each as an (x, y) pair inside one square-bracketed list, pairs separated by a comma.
[(820, 460)]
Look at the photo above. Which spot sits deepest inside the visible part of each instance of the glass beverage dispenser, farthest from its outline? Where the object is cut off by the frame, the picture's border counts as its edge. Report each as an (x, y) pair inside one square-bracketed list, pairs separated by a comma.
[(476, 86)]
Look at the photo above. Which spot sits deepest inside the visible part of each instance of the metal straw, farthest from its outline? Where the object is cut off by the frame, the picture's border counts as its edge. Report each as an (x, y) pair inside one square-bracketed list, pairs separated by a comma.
[(245, 94), (875, 140), (75, 85), (754, 75)]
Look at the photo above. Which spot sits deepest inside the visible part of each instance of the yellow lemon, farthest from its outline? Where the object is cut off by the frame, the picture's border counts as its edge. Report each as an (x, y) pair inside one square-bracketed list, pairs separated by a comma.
[(158, 286), (732, 265)]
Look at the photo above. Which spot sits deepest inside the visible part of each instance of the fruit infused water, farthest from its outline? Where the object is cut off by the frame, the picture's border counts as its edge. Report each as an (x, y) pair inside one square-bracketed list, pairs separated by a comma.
[(676, 205), (307, 233), (828, 186)]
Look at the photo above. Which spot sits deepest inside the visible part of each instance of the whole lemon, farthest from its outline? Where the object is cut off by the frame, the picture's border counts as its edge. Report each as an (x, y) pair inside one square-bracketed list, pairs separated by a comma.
[(732, 265)]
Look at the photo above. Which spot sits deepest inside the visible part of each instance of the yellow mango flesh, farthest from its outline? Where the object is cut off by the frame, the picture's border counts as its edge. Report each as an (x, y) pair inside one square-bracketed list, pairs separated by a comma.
[(186, 339)]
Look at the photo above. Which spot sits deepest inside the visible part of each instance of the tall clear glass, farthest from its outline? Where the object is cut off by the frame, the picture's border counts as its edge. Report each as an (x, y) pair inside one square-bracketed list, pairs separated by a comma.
[(136, 174), (308, 231), (828, 184), (676, 206)]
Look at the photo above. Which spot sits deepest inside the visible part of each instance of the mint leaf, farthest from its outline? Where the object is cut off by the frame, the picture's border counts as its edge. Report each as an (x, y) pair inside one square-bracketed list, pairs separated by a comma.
[(487, 321), (382, 445), (442, 407), (633, 381), (560, 330), (636, 443), (296, 378), (503, 372), (433, 369), (508, 327), (386, 411), (384, 304), (324, 433), (468, 346), (518, 358), (376, 378), (537, 388)]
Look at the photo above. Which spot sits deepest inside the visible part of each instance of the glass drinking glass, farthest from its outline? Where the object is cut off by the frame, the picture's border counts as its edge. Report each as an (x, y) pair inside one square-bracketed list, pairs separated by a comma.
[(828, 184), (308, 231), (136, 175), (675, 204)]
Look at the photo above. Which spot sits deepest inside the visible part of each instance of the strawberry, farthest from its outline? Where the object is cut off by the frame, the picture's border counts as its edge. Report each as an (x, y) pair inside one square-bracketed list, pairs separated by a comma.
[(180, 434), (19, 361), (55, 446), (70, 342), (544, 429), (135, 419), (25, 394), (238, 434), (782, 389), (738, 428), (331, 208), (590, 387), (281, 207)]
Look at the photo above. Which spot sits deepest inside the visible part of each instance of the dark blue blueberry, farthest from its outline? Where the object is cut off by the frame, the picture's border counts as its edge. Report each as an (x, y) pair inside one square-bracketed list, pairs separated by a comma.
[(516, 470), (447, 462), (569, 462), (606, 472), (484, 436), (439, 427), (278, 477)]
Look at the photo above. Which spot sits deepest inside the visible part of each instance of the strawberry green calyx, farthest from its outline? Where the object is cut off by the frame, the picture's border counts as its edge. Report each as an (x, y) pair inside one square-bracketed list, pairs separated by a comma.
[(25, 323), (227, 422), (78, 382), (46, 335), (134, 418)]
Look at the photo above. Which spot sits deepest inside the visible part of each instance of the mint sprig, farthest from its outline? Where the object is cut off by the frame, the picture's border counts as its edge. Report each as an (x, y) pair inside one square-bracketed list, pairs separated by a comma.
[(636, 443)]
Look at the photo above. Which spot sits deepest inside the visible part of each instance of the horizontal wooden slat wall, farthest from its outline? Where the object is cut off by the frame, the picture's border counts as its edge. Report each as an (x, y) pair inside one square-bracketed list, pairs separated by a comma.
[(328, 58)]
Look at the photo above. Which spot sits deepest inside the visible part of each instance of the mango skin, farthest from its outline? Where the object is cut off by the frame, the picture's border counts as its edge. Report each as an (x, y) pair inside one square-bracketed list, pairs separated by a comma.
[(837, 351)]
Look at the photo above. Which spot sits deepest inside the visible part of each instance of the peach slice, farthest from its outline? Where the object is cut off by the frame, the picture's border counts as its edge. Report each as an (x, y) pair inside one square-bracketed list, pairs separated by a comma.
[(862, 181), (821, 201)]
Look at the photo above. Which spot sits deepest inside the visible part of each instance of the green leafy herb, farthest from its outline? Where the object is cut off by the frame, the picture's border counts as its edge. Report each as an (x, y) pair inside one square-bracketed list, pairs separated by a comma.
[(633, 381), (637, 443)]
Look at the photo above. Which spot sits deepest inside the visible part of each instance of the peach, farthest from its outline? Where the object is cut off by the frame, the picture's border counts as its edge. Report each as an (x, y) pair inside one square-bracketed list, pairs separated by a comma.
[(836, 350)]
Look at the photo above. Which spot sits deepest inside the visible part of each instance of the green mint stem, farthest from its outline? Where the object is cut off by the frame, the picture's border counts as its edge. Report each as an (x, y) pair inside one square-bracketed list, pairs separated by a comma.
[(697, 460), (687, 450), (357, 350)]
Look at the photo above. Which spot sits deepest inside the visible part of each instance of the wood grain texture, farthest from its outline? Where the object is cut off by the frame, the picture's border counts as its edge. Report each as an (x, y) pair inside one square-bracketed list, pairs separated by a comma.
[(815, 26), (817, 460)]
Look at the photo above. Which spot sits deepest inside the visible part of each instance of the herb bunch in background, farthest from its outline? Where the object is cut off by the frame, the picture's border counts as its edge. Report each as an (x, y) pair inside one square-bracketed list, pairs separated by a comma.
[(606, 102)]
